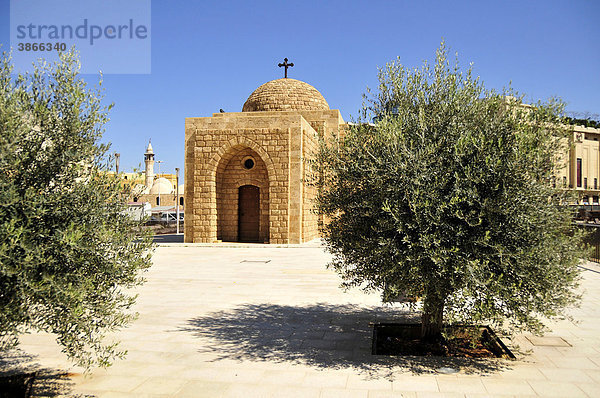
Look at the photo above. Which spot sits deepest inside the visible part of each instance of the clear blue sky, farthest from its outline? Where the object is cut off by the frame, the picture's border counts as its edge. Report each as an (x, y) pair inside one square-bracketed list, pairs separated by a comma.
[(211, 55)]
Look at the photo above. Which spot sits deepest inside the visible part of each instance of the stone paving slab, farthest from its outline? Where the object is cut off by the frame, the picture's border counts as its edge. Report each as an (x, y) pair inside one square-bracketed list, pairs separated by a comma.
[(216, 323)]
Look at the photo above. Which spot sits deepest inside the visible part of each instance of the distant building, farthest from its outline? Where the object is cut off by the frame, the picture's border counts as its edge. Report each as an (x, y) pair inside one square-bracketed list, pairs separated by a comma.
[(582, 165), (155, 189)]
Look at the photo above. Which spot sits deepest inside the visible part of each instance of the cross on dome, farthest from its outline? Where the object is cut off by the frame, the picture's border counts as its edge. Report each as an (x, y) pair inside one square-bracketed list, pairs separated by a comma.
[(286, 65)]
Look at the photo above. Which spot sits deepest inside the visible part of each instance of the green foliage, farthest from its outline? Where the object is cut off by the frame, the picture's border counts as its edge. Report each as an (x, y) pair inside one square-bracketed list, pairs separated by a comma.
[(68, 252), (586, 122), (449, 198)]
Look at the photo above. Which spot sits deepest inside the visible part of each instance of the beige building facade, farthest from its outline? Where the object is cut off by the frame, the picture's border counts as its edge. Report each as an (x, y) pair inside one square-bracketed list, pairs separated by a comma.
[(245, 172), (582, 165)]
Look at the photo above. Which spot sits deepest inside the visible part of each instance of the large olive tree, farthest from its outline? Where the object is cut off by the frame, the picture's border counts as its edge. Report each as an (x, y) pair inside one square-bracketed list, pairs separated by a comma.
[(68, 252), (448, 198)]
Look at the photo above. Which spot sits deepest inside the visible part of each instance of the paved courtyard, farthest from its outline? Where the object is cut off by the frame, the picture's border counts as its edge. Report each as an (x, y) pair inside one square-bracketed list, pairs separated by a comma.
[(260, 321)]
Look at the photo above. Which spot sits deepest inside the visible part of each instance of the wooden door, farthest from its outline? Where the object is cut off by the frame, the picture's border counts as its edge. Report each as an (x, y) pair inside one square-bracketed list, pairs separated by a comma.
[(248, 213)]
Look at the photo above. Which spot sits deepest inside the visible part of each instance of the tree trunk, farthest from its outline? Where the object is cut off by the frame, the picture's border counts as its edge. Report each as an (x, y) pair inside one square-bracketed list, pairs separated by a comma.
[(432, 318)]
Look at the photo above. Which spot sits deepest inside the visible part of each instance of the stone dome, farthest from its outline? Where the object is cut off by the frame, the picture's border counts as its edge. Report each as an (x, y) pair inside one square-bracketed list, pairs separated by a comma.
[(285, 95), (161, 186)]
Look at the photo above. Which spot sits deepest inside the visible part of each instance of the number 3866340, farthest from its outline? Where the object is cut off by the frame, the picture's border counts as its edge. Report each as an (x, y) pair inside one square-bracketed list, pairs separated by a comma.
[(42, 46)]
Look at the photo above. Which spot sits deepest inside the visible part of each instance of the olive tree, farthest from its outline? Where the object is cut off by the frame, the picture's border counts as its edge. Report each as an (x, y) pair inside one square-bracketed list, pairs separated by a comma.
[(448, 199), (69, 254)]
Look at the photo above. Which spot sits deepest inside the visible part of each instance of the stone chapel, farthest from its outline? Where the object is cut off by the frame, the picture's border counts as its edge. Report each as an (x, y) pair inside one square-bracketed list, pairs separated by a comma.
[(245, 171)]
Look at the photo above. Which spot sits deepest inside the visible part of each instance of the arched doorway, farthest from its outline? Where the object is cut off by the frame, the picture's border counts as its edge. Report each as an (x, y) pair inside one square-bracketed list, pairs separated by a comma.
[(248, 213), (242, 196)]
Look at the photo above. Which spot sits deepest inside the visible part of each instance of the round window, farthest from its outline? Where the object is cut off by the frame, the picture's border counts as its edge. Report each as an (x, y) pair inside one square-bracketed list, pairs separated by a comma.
[(248, 163)]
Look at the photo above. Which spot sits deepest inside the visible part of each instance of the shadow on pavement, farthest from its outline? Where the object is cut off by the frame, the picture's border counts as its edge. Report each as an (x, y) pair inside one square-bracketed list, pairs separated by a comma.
[(168, 238), (320, 335), (18, 368)]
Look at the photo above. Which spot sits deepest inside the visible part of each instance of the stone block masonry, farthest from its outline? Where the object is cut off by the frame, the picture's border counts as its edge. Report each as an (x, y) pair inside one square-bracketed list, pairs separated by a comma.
[(278, 131)]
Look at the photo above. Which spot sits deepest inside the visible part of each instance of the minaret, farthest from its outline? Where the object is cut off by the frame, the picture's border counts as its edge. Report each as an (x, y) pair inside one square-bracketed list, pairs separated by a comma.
[(149, 160)]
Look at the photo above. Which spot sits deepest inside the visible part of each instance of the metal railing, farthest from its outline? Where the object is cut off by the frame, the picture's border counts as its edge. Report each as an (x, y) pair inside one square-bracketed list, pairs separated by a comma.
[(592, 241), (595, 256)]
